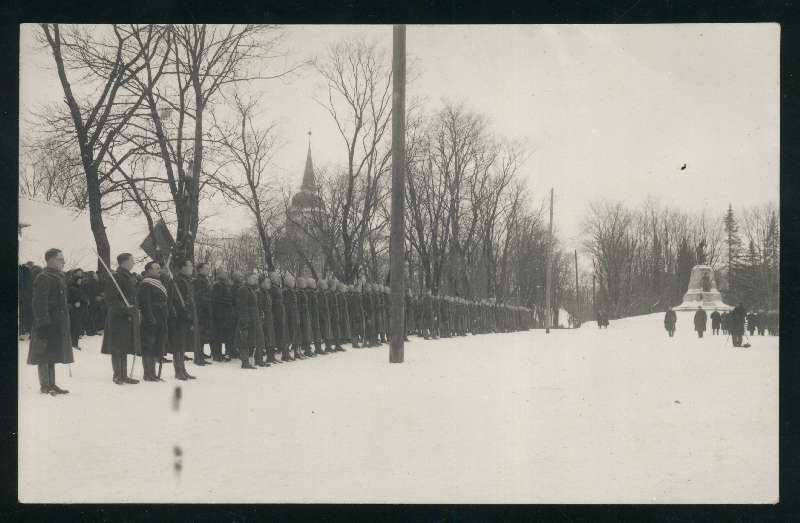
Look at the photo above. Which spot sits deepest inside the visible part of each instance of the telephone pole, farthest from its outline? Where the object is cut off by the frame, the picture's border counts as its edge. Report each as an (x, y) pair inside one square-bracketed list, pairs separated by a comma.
[(397, 243), (548, 312)]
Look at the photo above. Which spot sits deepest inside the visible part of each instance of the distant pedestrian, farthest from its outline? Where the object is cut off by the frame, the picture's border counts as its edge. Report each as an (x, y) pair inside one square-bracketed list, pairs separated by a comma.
[(670, 319), (700, 321)]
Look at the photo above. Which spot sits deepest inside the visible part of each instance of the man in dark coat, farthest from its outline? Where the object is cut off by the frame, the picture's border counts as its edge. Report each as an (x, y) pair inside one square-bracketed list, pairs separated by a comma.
[(250, 333), (122, 319), (183, 319), (737, 319), (314, 312), (335, 314), (202, 299), (723, 322), (325, 315), (223, 326), (78, 304), (716, 320), (356, 307), (368, 307), (305, 317), (279, 318), (293, 318), (761, 322), (265, 306), (91, 290), (154, 306), (700, 320), (344, 316), (50, 328), (670, 319)]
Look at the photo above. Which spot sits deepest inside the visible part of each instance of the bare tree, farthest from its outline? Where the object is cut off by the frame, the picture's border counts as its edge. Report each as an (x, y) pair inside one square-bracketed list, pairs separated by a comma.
[(247, 151), (105, 61)]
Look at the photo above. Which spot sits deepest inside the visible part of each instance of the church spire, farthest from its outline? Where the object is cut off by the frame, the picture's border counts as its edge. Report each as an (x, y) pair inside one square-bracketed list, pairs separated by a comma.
[(309, 181)]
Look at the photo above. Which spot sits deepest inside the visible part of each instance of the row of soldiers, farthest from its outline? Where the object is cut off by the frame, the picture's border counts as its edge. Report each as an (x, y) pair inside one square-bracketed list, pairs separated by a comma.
[(260, 320)]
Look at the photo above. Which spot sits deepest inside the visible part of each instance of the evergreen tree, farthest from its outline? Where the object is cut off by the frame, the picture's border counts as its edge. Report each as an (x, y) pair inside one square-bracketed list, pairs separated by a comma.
[(734, 245), (685, 262)]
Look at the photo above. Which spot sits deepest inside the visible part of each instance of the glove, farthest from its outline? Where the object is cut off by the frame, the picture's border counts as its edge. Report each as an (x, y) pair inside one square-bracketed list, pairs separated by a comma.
[(77, 304)]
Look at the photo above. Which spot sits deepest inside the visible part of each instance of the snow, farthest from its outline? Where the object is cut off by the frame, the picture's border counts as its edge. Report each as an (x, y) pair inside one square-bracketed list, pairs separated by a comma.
[(624, 414), (51, 225)]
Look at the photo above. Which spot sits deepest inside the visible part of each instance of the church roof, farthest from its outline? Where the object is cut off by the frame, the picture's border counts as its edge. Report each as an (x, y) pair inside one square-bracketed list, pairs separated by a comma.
[(308, 195)]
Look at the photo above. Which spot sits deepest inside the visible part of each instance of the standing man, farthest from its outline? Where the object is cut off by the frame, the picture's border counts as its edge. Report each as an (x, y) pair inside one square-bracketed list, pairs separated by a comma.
[(293, 318), (77, 307), (279, 318), (737, 319), (335, 314), (344, 316), (250, 332), (121, 319), (223, 326), (314, 312), (670, 319), (324, 315), (305, 317), (368, 307), (427, 315), (153, 301), (716, 319), (265, 306), (202, 297), (356, 315), (50, 328), (184, 318), (700, 320)]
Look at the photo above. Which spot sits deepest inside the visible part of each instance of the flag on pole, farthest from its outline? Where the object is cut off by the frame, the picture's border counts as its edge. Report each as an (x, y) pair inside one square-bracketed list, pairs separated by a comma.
[(159, 243)]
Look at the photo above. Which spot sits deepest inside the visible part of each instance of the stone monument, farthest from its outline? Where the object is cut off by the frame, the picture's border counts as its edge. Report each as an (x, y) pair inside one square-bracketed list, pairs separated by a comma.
[(702, 291)]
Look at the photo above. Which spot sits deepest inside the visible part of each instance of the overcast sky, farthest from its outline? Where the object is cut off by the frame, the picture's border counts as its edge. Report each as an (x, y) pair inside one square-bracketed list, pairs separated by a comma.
[(606, 111)]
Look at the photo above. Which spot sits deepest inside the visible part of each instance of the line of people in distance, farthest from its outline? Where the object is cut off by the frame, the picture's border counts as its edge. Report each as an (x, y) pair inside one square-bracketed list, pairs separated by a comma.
[(258, 320), (731, 323)]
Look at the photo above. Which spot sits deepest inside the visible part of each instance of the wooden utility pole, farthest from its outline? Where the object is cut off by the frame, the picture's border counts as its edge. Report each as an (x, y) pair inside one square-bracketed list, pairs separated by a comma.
[(577, 292), (548, 311), (397, 240)]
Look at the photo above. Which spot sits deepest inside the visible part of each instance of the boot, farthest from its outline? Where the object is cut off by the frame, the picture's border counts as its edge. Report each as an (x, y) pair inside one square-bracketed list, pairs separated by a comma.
[(246, 365), (130, 381)]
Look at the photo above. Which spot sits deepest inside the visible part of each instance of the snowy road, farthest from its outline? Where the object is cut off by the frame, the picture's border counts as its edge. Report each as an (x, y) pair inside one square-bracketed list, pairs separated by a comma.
[(596, 416)]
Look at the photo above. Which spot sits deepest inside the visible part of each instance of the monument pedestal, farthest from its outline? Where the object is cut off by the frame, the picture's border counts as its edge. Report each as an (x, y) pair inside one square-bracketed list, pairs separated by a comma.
[(702, 292)]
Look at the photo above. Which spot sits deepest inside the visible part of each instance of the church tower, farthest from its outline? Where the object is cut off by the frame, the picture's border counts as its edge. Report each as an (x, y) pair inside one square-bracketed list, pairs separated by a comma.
[(304, 214)]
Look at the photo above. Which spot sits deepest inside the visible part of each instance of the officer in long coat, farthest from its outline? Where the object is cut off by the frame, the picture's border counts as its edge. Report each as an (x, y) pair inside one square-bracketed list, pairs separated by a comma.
[(279, 318), (344, 316), (716, 319), (268, 325), (380, 316), (335, 314), (293, 318), (182, 317), (50, 328), (314, 313), (305, 317), (121, 319), (223, 326), (700, 320), (386, 316), (249, 330), (78, 304), (670, 319), (368, 307), (203, 305), (155, 310), (356, 308), (325, 315)]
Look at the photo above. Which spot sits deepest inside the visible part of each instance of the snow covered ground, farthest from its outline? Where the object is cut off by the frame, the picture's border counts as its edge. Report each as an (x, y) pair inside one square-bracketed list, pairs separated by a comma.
[(596, 416)]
